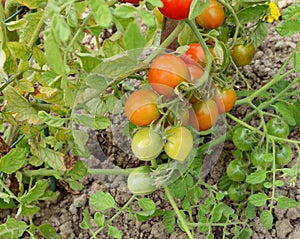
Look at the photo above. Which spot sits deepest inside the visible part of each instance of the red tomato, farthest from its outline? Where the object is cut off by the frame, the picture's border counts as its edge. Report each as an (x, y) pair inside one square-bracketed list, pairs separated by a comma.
[(204, 115), (212, 16), (166, 72), (196, 54), (225, 99), (176, 9), (141, 107)]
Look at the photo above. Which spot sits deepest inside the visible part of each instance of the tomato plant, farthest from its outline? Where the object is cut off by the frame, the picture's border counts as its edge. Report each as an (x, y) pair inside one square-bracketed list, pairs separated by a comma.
[(204, 114), (237, 192), (195, 54), (242, 54), (179, 143), (225, 99), (235, 171), (260, 159), (139, 181), (176, 9), (141, 107), (166, 72), (146, 144), (212, 16), (277, 127), (284, 154), (244, 139)]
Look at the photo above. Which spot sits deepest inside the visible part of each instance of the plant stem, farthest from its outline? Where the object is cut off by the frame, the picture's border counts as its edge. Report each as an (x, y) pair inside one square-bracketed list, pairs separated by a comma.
[(114, 216), (3, 185), (181, 219), (215, 224)]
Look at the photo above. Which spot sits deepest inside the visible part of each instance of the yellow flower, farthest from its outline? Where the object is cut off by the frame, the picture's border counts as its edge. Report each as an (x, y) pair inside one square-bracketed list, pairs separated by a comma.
[(274, 12)]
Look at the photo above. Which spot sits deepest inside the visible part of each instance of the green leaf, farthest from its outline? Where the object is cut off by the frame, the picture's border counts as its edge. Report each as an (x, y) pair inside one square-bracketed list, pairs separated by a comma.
[(111, 48), (53, 54), (96, 82), (287, 112), (31, 4), (101, 12), (259, 34), (86, 224), (60, 28), (296, 107), (252, 13), (186, 36), (266, 218), (217, 213), (197, 7), (99, 219), (51, 120), (292, 11), (285, 202), (79, 170), (88, 61), (12, 228), (102, 201), (146, 204), (125, 11), (53, 158), (256, 177), (7, 203), (156, 3), (74, 185), (35, 193), (250, 211), (13, 161), (169, 220), (48, 231), (32, 21), (133, 38), (147, 18), (93, 122), (20, 50), (114, 105), (19, 105), (81, 138), (114, 232), (288, 27), (297, 61), (258, 199), (29, 210)]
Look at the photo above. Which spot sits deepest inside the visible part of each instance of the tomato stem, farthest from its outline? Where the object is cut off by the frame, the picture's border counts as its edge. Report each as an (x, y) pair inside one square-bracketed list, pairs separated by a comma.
[(178, 213)]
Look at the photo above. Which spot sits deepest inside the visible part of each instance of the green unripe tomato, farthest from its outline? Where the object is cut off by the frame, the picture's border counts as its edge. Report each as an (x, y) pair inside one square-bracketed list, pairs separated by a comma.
[(146, 144), (244, 139), (278, 128), (260, 159), (284, 154), (243, 54), (237, 192), (179, 143), (235, 171), (139, 181)]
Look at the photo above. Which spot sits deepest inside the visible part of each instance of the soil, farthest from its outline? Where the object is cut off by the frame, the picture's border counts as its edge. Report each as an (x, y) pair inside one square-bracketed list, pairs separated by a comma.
[(66, 212)]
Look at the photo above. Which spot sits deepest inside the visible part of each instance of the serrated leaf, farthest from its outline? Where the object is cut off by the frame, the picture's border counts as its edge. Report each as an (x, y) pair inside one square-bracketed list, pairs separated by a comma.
[(32, 21), (252, 13), (12, 228), (125, 11), (86, 224), (114, 232), (29, 210), (258, 199), (259, 34), (60, 28), (217, 213), (197, 7), (35, 193), (266, 218), (13, 161), (51, 120), (111, 48), (288, 27), (147, 18), (39, 55), (99, 219), (287, 112), (250, 211), (169, 220), (93, 122), (291, 11), (102, 201), (88, 61), (22, 109), (133, 38), (101, 12), (146, 204), (80, 139), (48, 231), (20, 50), (256, 177), (285, 202), (79, 170), (97, 82)]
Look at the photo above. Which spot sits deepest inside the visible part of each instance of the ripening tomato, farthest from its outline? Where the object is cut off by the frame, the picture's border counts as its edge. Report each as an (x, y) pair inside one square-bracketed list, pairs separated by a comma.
[(141, 107), (225, 99), (179, 143), (146, 144), (195, 54), (166, 72), (139, 181), (212, 16), (243, 54), (176, 9), (132, 1), (204, 115)]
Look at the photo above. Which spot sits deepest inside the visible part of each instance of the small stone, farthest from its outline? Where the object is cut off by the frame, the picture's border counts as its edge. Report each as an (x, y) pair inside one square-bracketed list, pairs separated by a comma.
[(295, 234), (293, 213), (73, 209), (283, 228), (80, 201)]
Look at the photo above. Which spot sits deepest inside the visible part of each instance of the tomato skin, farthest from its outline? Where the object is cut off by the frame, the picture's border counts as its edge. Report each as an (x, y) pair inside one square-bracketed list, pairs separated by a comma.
[(179, 143), (139, 181), (237, 192), (176, 9), (225, 99), (195, 54), (132, 1), (212, 16), (243, 54), (204, 115), (235, 171), (278, 128), (257, 158), (141, 107), (146, 144), (283, 155), (166, 72), (244, 139)]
